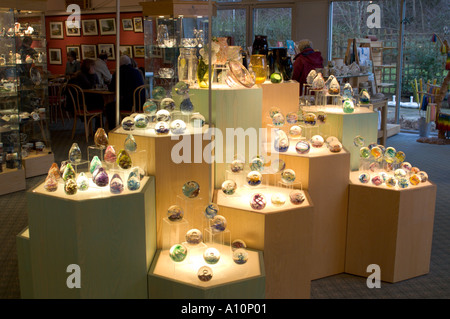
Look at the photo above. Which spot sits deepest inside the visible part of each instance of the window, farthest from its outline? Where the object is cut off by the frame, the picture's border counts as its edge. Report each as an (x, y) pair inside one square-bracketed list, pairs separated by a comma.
[(273, 22), (232, 23)]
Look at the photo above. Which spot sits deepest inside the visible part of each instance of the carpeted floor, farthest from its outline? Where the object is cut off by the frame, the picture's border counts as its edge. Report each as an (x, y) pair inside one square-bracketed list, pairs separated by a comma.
[(434, 159)]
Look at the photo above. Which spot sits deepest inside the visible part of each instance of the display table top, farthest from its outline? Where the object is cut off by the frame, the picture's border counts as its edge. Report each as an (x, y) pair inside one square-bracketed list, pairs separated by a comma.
[(354, 180)]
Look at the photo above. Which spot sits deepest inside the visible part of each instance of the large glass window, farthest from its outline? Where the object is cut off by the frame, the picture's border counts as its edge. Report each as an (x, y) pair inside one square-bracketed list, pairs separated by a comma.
[(231, 23), (275, 23)]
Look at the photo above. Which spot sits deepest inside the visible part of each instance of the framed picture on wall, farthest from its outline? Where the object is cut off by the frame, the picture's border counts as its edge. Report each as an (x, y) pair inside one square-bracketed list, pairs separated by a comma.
[(138, 26), (54, 56), (75, 48), (72, 31), (155, 51), (89, 51), (139, 51), (126, 50), (107, 26), (89, 27), (127, 25), (56, 30), (108, 49)]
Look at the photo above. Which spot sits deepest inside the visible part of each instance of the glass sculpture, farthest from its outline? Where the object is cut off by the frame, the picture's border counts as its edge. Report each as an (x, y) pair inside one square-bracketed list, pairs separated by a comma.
[(162, 128), (116, 185), (186, 106), (321, 117), (311, 76), (110, 155), (167, 104), (238, 243), (218, 224), (70, 186), (364, 152), (158, 93), (240, 256), (181, 88), (347, 92), (62, 168), (149, 107), (292, 118), (50, 183), (423, 176), (364, 97), (163, 116), (374, 166), (399, 157), (257, 164), (141, 121), (178, 252), (128, 123), (211, 210), (194, 237), (281, 141), (205, 273), (75, 153), (317, 141), (191, 189), (229, 187), (390, 152), (288, 176), (391, 182), (348, 106), (406, 166), (69, 172), (254, 178), (414, 179), (278, 199), (318, 82), (82, 182), (335, 146), (274, 110), (296, 197), (376, 152), (415, 170), (364, 178), (54, 171), (124, 159), (310, 119), (402, 182), (211, 255), (177, 127), (358, 141), (130, 143), (333, 86), (101, 138), (399, 173), (302, 147), (278, 119), (377, 180), (295, 132), (101, 177), (258, 201), (95, 163), (237, 166), (133, 183)]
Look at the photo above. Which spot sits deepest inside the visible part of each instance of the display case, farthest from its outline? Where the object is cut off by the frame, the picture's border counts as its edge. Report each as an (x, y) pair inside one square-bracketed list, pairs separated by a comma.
[(24, 91)]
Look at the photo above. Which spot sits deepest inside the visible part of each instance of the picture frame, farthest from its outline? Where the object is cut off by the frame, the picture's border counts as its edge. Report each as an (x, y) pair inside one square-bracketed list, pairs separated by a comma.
[(126, 50), (155, 51), (89, 27), (72, 32), (54, 56), (138, 24), (127, 25), (56, 30), (139, 51), (89, 51), (107, 26), (75, 48), (108, 49)]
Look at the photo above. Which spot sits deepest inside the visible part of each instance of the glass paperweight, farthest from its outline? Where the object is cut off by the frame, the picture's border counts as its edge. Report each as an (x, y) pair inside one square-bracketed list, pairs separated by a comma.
[(186, 106), (333, 86), (133, 183), (70, 187), (364, 178), (69, 172), (218, 224), (295, 132), (149, 107), (347, 92), (296, 197), (100, 177), (175, 213), (75, 153), (50, 184), (278, 199), (62, 168), (371, 145), (399, 173), (110, 155), (168, 104), (311, 76), (317, 141), (82, 182), (276, 77), (321, 117), (415, 170), (141, 121), (414, 179), (364, 152), (399, 157), (348, 106), (211, 210), (257, 164), (130, 144), (374, 166), (191, 189), (162, 128), (364, 97), (302, 147), (229, 187), (278, 119), (254, 178), (288, 176), (178, 252), (310, 119), (335, 146), (318, 82), (177, 127), (281, 142), (237, 166), (124, 159), (158, 93), (402, 182), (116, 185), (197, 120), (95, 163), (181, 88), (390, 152), (163, 116), (101, 138), (292, 118), (423, 176), (205, 273), (194, 237), (358, 141), (258, 201), (238, 243), (278, 165), (128, 123), (406, 166), (274, 110), (211, 255), (391, 182), (240, 256), (376, 152), (53, 171), (377, 180)]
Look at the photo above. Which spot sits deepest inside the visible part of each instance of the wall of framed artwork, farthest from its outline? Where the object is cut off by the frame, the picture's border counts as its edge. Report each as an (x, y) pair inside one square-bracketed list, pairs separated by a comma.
[(89, 27), (88, 51), (107, 26), (72, 31), (107, 48), (127, 25)]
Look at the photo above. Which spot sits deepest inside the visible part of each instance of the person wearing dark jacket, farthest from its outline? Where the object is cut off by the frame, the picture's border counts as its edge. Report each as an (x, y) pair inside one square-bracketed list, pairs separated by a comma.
[(87, 79), (308, 59)]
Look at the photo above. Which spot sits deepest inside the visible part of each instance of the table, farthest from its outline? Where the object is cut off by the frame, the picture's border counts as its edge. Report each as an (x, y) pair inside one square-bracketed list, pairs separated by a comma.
[(107, 96)]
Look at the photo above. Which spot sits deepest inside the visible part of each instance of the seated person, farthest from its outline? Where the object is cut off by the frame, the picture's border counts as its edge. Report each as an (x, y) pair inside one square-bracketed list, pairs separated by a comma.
[(72, 65), (86, 79), (130, 79), (103, 73)]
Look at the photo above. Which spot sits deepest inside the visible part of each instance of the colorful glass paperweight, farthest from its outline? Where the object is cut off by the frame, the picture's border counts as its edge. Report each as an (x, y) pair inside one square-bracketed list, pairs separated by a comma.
[(295, 132), (254, 178), (211, 255), (321, 117), (175, 213), (62, 168), (278, 199), (358, 141), (423, 176), (229, 187), (95, 163), (400, 157), (130, 143), (240, 256), (162, 128), (278, 165), (364, 152), (406, 166), (205, 273), (75, 153), (50, 184), (70, 187), (414, 179), (211, 210), (238, 243), (53, 171), (278, 119), (158, 93), (82, 182), (292, 118), (364, 97), (197, 120), (415, 170), (194, 237), (390, 152), (237, 166), (317, 141), (302, 147), (178, 252), (318, 82), (124, 160), (116, 184), (311, 76), (177, 127), (335, 146), (100, 177), (163, 116), (310, 119), (168, 104), (391, 182), (274, 110), (110, 155), (218, 224), (181, 88), (377, 180), (288, 176), (141, 121), (348, 106), (101, 138), (364, 178), (333, 86), (403, 182), (281, 142), (258, 201), (133, 183), (376, 152), (399, 173), (296, 197), (186, 106), (257, 164), (347, 92), (191, 189), (128, 123), (149, 107), (69, 172)]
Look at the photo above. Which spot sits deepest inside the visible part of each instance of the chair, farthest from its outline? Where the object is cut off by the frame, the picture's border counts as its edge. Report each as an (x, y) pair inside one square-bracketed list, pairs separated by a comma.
[(80, 110), (56, 99), (138, 101)]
